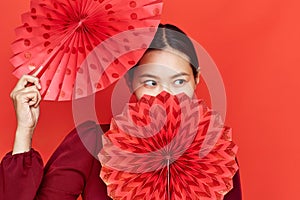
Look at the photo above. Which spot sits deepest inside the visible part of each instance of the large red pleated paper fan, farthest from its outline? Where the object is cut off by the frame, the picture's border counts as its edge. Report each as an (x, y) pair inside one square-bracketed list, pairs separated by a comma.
[(168, 147), (57, 36)]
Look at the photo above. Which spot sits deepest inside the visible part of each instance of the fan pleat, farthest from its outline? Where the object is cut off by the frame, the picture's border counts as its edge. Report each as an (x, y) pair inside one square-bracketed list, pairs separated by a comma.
[(134, 148), (52, 25)]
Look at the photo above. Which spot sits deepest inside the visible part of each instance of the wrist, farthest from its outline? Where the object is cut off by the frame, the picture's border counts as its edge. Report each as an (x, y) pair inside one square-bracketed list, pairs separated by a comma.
[(23, 140), (24, 131)]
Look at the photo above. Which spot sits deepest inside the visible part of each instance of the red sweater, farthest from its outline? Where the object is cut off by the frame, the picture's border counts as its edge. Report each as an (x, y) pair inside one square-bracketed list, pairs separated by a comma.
[(72, 170)]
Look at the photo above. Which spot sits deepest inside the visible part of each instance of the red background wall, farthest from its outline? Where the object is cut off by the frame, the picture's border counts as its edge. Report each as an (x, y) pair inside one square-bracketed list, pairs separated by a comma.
[(255, 44)]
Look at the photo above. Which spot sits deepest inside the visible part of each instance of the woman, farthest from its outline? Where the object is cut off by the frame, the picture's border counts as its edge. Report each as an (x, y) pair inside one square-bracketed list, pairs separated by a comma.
[(169, 64)]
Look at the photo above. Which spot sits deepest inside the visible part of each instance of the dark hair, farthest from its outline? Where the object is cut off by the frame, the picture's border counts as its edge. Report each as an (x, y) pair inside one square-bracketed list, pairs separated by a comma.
[(170, 36)]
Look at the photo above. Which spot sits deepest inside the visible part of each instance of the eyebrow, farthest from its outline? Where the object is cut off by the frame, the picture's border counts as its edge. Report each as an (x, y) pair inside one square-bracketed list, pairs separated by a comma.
[(172, 77), (180, 74), (147, 75)]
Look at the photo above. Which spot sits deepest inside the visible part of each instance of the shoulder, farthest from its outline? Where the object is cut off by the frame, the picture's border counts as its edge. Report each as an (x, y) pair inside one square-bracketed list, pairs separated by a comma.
[(89, 135), (84, 139)]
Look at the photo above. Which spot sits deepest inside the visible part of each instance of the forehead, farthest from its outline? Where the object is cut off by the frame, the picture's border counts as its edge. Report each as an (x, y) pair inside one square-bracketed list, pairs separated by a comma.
[(160, 62)]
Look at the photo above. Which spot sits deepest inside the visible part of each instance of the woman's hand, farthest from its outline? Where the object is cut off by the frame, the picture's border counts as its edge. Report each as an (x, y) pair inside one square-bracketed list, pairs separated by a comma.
[(26, 98)]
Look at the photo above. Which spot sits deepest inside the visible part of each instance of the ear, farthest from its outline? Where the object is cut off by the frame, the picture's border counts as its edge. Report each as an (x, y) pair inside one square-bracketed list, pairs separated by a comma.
[(197, 78)]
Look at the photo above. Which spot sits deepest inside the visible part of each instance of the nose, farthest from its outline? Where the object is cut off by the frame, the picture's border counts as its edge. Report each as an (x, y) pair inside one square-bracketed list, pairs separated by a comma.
[(167, 88)]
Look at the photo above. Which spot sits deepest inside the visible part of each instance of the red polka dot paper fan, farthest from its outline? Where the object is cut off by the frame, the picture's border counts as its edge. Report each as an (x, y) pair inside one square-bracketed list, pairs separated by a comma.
[(168, 147), (58, 36)]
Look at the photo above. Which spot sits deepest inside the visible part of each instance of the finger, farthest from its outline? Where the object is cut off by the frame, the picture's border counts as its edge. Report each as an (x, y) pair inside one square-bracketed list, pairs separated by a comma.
[(35, 99), (30, 95), (23, 84), (25, 79), (31, 98), (39, 98), (26, 89)]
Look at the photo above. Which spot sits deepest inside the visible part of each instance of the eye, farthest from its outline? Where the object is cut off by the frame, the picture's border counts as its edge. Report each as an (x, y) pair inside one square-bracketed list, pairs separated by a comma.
[(150, 83), (179, 82)]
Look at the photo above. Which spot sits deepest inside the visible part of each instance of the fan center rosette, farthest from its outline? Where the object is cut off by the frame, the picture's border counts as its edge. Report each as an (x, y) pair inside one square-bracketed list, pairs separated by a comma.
[(154, 150), (58, 35)]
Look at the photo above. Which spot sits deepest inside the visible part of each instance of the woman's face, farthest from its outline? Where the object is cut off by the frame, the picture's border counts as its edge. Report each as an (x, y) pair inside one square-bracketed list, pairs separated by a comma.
[(160, 70)]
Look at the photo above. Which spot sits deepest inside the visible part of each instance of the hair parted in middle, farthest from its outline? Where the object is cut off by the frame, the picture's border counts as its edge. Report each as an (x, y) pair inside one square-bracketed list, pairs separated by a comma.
[(171, 38)]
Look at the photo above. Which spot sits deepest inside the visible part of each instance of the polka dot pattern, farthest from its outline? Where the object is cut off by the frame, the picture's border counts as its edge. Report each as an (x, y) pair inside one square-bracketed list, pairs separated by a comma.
[(108, 6), (93, 66), (46, 27), (89, 47), (79, 91), (115, 75), (27, 42), (29, 29), (49, 51), (47, 43), (133, 16), (80, 70), (67, 50), (156, 11), (51, 36), (131, 62), (55, 5), (144, 46), (49, 17), (127, 48), (132, 4), (74, 50), (48, 82), (68, 71), (81, 49), (62, 94), (105, 59), (27, 55), (46, 36), (130, 27), (116, 61), (98, 85)]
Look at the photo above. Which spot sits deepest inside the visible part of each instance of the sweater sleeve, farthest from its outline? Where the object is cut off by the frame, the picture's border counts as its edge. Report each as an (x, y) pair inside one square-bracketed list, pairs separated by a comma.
[(65, 175), (20, 175)]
